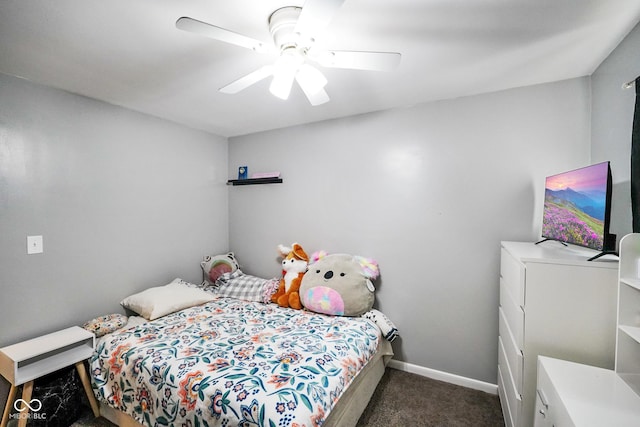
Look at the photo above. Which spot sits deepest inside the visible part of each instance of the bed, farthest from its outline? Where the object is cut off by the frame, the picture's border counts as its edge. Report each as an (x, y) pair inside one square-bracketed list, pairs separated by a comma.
[(230, 362)]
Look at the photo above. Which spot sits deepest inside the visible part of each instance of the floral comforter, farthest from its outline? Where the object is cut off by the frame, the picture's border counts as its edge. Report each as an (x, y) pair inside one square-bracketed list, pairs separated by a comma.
[(231, 362)]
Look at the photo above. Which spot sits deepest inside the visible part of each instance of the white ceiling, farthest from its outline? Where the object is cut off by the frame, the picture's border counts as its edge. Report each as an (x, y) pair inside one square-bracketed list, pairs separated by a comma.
[(129, 53)]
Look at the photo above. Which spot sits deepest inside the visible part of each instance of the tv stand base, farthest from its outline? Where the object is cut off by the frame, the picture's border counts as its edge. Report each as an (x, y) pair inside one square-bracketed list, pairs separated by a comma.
[(606, 252), (553, 240), (602, 254)]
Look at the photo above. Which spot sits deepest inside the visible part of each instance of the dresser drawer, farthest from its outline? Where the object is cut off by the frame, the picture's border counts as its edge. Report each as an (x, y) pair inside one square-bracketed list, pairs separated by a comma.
[(547, 410), (512, 397), (513, 315), (504, 403), (545, 393), (541, 415), (513, 355), (512, 274)]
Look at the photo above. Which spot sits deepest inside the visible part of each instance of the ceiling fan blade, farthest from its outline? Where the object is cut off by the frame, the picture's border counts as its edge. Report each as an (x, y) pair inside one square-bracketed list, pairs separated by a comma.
[(316, 16), (376, 61), (246, 81), (315, 96), (217, 33)]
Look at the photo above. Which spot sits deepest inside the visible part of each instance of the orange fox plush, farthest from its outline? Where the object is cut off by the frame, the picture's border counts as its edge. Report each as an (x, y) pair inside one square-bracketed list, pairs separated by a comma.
[(294, 265)]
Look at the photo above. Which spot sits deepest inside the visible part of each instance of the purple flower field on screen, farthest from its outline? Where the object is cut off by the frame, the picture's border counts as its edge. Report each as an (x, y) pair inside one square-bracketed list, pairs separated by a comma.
[(564, 225)]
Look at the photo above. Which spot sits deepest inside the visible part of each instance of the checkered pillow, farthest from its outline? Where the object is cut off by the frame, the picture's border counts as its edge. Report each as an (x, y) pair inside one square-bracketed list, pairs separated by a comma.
[(245, 287)]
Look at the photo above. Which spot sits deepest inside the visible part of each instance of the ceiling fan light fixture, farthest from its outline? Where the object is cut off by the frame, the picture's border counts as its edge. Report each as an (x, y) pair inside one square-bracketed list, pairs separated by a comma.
[(280, 86), (284, 72), (315, 98), (311, 79)]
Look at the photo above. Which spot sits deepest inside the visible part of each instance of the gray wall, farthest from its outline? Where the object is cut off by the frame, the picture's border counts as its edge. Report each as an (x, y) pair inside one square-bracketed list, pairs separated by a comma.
[(611, 122), (124, 201), (429, 192)]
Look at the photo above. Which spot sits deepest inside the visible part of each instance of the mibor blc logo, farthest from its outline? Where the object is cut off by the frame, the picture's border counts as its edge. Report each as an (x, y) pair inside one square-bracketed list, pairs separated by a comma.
[(29, 410)]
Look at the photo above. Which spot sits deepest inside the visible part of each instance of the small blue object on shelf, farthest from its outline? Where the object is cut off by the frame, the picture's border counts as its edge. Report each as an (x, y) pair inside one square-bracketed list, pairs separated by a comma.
[(242, 172)]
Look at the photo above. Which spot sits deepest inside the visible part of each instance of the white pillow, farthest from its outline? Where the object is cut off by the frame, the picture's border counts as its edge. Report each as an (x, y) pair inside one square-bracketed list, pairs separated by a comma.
[(161, 300)]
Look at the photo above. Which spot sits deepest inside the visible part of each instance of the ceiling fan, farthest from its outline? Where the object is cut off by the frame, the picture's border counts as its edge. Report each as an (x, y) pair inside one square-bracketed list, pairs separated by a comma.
[(293, 30)]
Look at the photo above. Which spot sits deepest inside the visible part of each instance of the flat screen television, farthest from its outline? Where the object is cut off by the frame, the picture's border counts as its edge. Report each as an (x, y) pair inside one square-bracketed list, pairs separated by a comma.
[(577, 208)]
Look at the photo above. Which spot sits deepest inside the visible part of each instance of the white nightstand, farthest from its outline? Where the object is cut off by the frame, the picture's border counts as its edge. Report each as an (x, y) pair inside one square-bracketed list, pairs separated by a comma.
[(573, 394), (24, 362)]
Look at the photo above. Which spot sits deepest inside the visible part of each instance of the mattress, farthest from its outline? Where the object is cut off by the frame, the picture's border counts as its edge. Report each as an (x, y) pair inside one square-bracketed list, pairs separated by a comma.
[(231, 362)]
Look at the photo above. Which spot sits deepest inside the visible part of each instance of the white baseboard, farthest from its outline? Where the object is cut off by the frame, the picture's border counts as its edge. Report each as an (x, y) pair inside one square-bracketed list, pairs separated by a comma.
[(444, 376)]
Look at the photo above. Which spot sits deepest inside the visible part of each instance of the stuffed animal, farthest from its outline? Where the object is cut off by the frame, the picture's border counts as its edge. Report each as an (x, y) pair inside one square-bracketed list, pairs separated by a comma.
[(215, 266), (339, 284), (294, 265), (386, 326)]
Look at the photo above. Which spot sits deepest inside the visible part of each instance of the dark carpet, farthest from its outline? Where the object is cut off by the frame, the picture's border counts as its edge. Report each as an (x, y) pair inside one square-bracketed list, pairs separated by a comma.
[(405, 399), (90, 421)]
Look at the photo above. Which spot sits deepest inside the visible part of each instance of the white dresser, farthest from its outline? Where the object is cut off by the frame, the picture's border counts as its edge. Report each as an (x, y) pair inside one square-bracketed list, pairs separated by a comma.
[(553, 302), (573, 394)]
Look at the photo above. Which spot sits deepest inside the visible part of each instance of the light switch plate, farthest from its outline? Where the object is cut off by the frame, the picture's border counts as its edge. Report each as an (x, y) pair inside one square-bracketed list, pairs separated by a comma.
[(34, 245)]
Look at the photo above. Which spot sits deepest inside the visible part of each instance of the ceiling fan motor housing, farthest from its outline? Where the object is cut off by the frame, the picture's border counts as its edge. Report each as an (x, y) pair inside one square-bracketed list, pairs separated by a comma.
[(282, 24)]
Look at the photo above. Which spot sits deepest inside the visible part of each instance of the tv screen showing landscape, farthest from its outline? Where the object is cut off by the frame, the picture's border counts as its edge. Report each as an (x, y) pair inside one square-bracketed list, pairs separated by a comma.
[(575, 206)]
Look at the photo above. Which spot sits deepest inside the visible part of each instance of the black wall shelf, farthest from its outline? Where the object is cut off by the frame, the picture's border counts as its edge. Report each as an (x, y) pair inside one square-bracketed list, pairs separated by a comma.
[(254, 181)]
